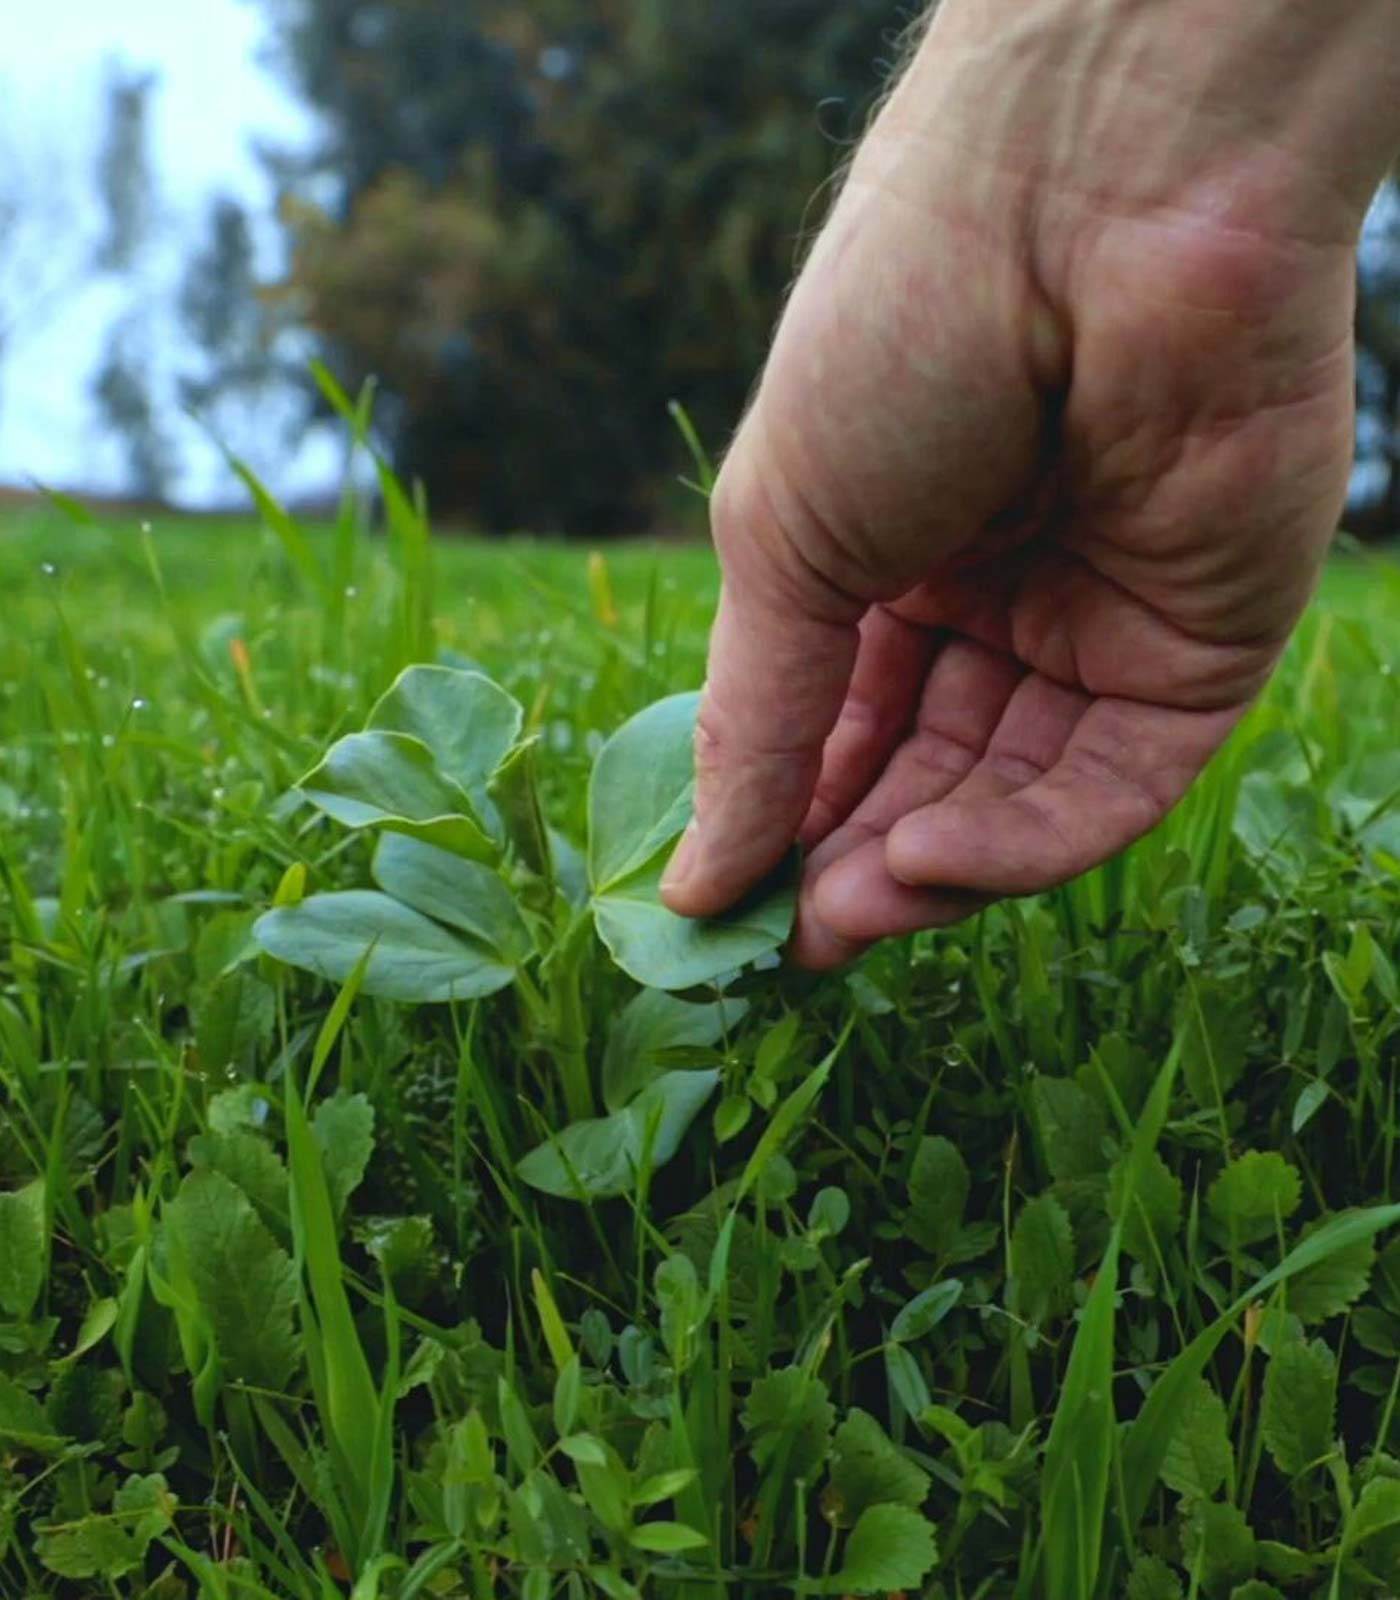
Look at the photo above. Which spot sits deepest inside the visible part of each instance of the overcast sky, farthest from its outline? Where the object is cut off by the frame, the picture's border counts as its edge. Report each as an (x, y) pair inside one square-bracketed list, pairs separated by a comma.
[(215, 97)]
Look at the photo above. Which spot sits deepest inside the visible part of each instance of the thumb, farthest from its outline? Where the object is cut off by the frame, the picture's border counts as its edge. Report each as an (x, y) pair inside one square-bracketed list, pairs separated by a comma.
[(781, 657)]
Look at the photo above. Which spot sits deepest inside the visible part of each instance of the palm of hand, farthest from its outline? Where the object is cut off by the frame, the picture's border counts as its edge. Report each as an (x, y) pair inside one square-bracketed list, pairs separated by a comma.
[(1046, 692)]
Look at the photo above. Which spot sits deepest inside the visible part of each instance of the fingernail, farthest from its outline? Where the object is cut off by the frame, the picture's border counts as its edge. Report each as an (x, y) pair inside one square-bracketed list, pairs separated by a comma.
[(684, 860)]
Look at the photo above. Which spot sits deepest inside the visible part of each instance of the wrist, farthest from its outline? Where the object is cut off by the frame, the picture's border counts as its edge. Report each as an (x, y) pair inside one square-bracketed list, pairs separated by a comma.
[(1276, 116)]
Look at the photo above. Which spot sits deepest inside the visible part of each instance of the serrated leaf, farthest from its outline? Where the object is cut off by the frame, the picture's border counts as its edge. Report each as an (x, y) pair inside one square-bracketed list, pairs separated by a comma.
[(1298, 1413), (1199, 1459), (939, 1184), (466, 720), (1152, 1579), (1071, 1125), (1218, 1544), (1254, 1195), (890, 1548), (602, 1156), (111, 1545), (789, 1415), (249, 1162), (243, 1280), (24, 1424), (1154, 1216), (1283, 1562), (234, 1021), (413, 959), (1376, 1511), (1327, 1289), (23, 1249), (344, 1129), (1215, 1039), (1042, 1259), (869, 1469)]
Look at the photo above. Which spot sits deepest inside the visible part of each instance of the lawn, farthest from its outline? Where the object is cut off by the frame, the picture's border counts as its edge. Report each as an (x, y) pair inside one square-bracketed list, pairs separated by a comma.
[(1057, 1256)]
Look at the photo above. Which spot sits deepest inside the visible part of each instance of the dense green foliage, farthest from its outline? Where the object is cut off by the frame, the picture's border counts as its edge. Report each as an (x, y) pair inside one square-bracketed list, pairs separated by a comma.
[(284, 1302), (554, 220)]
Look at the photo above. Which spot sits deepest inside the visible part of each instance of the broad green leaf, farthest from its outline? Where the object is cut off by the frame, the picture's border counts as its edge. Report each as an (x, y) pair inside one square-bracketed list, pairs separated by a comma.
[(603, 1156), (568, 1387), (925, 1311), (235, 1017), (1283, 1562), (1256, 1589), (1215, 1039), (1254, 1195), (639, 800), (868, 1469), (389, 780), (1152, 1579), (651, 1024), (414, 959), (1071, 1124), (1148, 1434), (664, 951), (641, 791), (110, 1545), (1199, 1458), (664, 1486), (1042, 1259), (23, 1249), (251, 1163), (1154, 1214), (24, 1424), (463, 894), (1334, 1283), (890, 1548), (1217, 1544), (404, 1249), (788, 1417), (1376, 1511), (344, 1129), (468, 722), (243, 1280), (667, 1538), (939, 1184), (1298, 1413)]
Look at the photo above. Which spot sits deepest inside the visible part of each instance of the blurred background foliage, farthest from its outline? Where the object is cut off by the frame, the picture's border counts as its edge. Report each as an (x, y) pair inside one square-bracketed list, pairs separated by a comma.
[(550, 221), (535, 225)]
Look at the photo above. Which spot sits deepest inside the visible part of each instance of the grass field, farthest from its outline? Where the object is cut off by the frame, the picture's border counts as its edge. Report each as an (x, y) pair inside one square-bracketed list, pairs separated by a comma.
[(1057, 1256)]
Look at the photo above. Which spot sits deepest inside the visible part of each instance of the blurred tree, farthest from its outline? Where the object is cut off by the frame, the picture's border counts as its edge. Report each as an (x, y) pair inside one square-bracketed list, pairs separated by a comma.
[(125, 181), (122, 392), (225, 314), (123, 387), (46, 236), (550, 220), (1375, 502)]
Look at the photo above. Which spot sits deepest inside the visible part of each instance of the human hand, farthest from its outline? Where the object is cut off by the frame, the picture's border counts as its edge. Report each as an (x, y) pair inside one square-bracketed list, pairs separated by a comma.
[(1046, 459)]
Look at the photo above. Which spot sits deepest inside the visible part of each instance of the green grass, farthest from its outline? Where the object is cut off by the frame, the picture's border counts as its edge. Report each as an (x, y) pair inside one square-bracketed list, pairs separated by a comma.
[(1045, 1258)]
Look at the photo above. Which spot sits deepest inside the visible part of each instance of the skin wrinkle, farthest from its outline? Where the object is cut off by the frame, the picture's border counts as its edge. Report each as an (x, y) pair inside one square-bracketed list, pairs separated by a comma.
[(1067, 373)]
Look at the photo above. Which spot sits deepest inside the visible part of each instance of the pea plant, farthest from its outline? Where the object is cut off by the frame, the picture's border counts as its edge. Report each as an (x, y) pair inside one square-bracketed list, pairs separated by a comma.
[(475, 894)]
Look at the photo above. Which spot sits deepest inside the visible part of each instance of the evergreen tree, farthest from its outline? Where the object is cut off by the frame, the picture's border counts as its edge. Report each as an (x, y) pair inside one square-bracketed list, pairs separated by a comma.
[(549, 221)]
